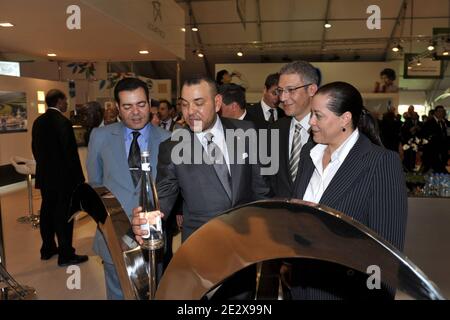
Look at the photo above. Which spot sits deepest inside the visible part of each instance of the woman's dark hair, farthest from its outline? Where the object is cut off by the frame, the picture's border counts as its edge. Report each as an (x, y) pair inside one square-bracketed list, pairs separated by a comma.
[(389, 73), (345, 97), (219, 76)]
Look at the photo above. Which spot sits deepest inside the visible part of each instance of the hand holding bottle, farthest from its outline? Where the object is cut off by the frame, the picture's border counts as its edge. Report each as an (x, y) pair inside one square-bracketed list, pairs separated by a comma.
[(140, 219)]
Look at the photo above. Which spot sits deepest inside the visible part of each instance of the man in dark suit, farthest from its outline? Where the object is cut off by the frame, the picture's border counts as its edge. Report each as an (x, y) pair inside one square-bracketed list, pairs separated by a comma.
[(297, 84), (207, 189), (435, 154), (165, 111), (232, 102), (267, 111), (58, 173)]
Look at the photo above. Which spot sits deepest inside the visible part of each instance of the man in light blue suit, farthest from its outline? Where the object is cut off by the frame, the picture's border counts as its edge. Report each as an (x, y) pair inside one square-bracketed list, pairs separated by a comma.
[(114, 160)]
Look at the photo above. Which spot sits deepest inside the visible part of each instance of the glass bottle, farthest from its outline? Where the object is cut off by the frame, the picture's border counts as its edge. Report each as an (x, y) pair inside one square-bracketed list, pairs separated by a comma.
[(154, 238)]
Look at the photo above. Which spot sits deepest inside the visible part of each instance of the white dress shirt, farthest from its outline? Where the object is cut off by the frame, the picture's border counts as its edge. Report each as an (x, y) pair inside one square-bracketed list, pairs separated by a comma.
[(218, 139), (266, 111), (304, 132), (243, 115), (166, 124), (54, 109), (321, 178)]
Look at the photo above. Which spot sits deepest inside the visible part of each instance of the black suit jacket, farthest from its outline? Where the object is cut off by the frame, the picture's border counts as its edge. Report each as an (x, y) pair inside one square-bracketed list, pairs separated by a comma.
[(256, 115), (56, 153), (369, 187), (281, 183), (204, 197)]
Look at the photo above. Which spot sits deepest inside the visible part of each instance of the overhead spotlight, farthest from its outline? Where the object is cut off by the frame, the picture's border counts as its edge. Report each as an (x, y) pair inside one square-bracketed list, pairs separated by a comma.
[(397, 48), (144, 52), (418, 63), (51, 54), (200, 55), (327, 25), (409, 67), (6, 24), (430, 47), (183, 29), (445, 53), (195, 29), (240, 53)]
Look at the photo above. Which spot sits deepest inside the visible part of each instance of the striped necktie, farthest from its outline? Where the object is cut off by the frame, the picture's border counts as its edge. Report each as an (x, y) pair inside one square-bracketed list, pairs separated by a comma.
[(295, 152), (220, 166)]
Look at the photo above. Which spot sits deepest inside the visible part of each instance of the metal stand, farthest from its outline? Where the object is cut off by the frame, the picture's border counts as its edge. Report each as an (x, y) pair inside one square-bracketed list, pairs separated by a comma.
[(152, 246), (9, 288), (31, 218)]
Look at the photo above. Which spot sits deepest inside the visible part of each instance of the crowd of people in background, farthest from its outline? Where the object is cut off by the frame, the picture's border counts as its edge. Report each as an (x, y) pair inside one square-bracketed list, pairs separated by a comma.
[(424, 144)]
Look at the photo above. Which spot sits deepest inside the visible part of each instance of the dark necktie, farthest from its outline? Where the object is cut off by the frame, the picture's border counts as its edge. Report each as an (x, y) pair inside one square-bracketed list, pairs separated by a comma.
[(220, 166), (272, 116), (134, 158), (295, 152)]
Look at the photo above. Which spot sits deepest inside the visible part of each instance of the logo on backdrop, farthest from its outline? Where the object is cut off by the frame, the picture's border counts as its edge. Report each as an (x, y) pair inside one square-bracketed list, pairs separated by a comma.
[(156, 11)]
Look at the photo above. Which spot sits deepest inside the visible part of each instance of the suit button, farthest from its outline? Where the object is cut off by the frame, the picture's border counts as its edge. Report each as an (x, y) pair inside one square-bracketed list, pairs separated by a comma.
[(350, 272)]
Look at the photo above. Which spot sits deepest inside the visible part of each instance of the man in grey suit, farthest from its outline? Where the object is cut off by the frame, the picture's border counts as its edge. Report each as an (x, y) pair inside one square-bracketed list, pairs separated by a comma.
[(207, 189), (114, 158)]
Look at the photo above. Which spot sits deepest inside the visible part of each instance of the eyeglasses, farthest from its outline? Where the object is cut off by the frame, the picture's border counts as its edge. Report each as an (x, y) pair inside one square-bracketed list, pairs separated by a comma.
[(290, 91)]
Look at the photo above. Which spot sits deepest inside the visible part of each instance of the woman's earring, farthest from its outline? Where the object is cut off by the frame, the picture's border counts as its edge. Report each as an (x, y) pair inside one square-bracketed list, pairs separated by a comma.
[(343, 129)]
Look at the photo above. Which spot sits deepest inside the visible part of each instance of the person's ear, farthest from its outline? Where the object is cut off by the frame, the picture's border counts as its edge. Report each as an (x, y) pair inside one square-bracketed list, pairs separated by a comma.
[(218, 102), (346, 118), (312, 89)]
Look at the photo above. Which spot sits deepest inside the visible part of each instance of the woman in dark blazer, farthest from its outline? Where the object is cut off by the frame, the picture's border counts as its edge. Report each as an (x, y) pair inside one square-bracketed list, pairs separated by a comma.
[(347, 169)]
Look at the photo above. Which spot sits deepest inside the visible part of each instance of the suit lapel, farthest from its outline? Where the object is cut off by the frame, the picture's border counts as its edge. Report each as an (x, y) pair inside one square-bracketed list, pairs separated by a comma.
[(349, 171), (235, 168), (305, 170), (284, 148)]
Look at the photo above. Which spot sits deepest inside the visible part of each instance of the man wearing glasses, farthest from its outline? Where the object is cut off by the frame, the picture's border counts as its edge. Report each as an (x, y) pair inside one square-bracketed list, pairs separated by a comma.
[(267, 111), (297, 84)]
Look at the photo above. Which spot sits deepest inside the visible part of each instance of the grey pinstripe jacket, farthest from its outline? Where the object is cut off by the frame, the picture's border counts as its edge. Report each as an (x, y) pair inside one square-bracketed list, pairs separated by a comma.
[(369, 187)]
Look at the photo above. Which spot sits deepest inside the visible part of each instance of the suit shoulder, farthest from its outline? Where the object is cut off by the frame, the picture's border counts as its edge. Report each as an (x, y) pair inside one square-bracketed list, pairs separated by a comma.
[(284, 122), (254, 108), (238, 124), (161, 133)]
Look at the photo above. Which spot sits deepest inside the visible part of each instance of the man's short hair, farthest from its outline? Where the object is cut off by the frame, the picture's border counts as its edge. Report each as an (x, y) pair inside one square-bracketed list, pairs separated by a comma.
[(439, 107), (52, 97), (197, 79), (130, 84), (303, 69), (169, 105), (233, 93), (272, 80)]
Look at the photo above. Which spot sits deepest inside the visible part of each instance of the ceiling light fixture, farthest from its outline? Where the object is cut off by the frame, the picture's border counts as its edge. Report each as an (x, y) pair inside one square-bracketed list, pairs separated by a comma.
[(183, 29), (327, 25), (430, 47), (6, 24), (418, 63), (240, 53), (195, 29), (200, 55), (51, 54), (397, 48), (445, 53), (144, 52)]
